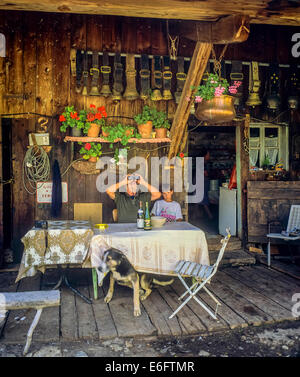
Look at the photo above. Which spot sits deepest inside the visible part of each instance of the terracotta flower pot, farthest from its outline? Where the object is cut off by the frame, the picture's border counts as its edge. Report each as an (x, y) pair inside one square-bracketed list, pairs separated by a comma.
[(217, 110), (94, 130), (161, 133), (105, 133), (129, 132), (93, 159), (145, 130)]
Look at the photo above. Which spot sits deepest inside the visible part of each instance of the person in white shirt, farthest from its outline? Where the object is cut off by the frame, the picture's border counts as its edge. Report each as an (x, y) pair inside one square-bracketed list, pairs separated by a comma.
[(167, 207)]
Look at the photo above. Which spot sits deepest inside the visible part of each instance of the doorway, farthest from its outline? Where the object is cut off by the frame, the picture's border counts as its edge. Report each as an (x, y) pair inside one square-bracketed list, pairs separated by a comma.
[(220, 143)]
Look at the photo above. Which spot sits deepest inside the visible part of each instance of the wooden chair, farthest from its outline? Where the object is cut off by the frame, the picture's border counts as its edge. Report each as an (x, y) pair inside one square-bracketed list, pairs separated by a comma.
[(201, 274), (88, 211), (292, 232)]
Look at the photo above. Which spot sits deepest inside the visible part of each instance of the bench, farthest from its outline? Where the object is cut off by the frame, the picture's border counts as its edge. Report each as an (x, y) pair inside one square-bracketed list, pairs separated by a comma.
[(25, 300)]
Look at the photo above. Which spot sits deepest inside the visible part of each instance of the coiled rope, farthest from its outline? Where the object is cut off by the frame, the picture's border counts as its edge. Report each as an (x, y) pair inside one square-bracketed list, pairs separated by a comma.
[(36, 168)]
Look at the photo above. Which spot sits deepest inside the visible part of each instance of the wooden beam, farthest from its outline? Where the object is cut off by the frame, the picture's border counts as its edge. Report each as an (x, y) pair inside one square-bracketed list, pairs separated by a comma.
[(260, 11), (230, 29), (197, 67)]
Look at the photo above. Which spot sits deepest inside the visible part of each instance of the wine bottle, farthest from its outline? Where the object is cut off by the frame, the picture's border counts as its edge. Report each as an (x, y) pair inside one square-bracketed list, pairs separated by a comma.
[(140, 217), (147, 222)]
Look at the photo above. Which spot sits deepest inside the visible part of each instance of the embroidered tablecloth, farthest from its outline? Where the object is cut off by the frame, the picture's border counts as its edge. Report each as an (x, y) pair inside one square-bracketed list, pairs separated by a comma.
[(64, 242), (156, 251)]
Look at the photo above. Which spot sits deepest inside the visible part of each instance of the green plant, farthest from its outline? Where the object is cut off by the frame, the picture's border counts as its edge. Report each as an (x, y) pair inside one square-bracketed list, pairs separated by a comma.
[(214, 86), (71, 118), (160, 119), (144, 116), (119, 131), (95, 115), (90, 150)]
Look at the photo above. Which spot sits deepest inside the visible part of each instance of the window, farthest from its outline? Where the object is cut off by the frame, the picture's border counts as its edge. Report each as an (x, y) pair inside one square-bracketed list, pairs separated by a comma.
[(268, 145)]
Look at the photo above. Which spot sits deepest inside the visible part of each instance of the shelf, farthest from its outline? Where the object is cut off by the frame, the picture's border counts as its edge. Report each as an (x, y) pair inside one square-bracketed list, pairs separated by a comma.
[(101, 140)]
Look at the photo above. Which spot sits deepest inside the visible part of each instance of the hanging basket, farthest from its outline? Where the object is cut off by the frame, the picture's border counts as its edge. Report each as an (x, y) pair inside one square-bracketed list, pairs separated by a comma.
[(217, 110)]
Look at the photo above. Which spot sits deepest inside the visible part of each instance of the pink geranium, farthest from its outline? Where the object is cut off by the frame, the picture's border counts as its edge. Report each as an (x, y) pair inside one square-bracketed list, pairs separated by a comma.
[(198, 99)]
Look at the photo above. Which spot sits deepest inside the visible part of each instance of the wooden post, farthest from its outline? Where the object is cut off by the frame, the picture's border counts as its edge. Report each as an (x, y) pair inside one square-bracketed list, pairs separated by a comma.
[(197, 67)]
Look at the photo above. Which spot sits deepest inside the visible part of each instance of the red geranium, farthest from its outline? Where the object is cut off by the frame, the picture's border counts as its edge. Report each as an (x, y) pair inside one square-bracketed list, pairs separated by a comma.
[(87, 146), (62, 118), (95, 115)]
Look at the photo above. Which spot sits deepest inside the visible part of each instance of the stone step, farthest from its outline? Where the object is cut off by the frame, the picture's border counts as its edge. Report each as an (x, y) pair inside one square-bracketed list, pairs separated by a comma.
[(233, 258)]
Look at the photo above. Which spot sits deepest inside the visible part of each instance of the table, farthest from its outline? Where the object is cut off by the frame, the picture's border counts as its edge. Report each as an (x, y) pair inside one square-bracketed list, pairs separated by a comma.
[(63, 243), (156, 251)]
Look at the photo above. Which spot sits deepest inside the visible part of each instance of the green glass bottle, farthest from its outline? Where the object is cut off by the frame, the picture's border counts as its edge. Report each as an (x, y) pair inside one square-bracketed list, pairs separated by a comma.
[(147, 221)]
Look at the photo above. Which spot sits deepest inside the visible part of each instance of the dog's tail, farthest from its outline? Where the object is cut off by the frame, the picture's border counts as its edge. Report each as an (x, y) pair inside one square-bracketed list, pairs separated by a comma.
[(163, 283)]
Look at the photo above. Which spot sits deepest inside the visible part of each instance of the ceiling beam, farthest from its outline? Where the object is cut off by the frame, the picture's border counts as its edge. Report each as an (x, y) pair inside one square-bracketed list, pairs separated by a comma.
[(285, 12)]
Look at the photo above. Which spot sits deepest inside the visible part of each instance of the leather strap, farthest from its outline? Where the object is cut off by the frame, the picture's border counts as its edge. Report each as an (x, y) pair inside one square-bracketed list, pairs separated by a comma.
[(79, 61), (85, 74), (274, 78), (118, 78), (180, 78), (157, 79), (94, 72), (157, 72), (145, 77), (105, 70), (237, 75), (130, 92), (167, 77)]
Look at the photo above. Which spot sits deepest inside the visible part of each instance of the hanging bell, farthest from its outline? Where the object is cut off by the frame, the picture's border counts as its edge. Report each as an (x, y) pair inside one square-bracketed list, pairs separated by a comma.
[(293, 102), (273, 102), (254, 85), (156, 95), (105, 90), (94, 91), (167, 95)]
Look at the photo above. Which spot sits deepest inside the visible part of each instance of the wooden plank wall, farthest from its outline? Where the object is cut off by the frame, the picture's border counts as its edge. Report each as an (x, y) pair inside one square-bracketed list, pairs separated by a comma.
[(38, 66), (269, 201)]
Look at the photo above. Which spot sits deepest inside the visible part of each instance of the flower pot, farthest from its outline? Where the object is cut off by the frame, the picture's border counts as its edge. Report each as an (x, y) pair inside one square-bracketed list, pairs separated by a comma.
[(161, 133), (145, 130), (94, 130), (93, 159), (129, 132), (105, 133), (217, 110), (76, 132)]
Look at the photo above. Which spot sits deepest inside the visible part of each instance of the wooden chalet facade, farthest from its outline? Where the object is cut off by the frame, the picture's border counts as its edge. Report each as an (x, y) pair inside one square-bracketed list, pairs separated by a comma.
[(37, 80)]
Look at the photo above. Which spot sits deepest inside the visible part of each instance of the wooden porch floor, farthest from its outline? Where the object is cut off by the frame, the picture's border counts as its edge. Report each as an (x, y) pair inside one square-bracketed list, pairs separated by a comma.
[(250, 295)]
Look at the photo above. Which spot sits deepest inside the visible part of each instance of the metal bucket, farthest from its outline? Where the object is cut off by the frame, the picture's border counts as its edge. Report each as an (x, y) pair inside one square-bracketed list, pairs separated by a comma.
[(217, 110)]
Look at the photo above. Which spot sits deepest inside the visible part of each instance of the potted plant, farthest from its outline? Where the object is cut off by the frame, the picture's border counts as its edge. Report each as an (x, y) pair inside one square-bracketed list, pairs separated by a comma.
[(95, 120), (160, 123), (214, 102), (144, 122), (90, 151), (73, 119)]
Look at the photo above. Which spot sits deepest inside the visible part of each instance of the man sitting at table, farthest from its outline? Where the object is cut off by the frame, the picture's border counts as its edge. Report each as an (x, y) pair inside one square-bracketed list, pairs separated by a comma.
[(128, 202), (167, 207)]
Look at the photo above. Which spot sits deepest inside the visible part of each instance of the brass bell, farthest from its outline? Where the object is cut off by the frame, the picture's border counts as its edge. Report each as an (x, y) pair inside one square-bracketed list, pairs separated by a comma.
[(293, 102), (273, 102), (117, 96), (167, 95), (105, 90), (156, 95), (253, 99), (131, 94), (84, 91), (94, 91), (193, 110)]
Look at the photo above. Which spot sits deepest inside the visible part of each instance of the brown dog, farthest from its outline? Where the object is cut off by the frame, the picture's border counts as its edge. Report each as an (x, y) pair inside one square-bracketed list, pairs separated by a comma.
[(123, 272)]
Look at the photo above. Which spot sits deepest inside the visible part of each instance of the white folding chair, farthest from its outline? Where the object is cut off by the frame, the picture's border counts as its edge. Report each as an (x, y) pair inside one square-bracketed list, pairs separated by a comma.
[(201, 275), (292, 227)]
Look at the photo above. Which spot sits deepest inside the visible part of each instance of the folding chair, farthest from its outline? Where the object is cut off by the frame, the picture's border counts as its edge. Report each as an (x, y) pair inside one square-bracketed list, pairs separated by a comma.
[(292, 232), (201, 275)]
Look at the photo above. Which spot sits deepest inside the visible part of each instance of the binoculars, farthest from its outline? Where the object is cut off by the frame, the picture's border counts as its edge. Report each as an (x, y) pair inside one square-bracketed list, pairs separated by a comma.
[(133, 177)]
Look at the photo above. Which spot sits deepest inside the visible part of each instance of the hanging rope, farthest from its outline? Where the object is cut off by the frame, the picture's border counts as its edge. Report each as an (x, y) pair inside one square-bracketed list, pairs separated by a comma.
[(36, 168), (217, 62)]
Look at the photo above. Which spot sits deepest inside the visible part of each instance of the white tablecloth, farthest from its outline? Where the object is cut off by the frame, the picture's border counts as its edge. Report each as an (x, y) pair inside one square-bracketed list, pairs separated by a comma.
[(156, 251)]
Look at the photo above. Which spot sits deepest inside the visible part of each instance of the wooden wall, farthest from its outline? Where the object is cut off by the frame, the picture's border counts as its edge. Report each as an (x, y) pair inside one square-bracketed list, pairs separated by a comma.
[(35, 77), (269, 201)]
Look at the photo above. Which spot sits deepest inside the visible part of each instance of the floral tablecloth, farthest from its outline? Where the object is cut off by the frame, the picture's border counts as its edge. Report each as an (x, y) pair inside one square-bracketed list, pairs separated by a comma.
[(64, 242), (156, 251)]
